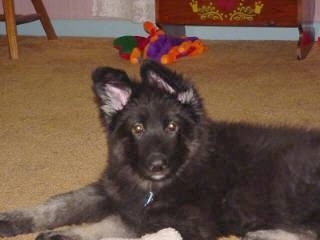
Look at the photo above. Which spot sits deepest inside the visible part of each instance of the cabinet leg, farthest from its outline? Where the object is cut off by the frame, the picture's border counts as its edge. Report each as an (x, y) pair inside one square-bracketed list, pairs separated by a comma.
[(173, 30), (306, 40)]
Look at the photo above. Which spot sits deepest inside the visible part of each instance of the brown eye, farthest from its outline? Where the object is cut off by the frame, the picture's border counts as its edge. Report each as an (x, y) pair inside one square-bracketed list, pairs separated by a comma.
[(137, 129), (172, 127)]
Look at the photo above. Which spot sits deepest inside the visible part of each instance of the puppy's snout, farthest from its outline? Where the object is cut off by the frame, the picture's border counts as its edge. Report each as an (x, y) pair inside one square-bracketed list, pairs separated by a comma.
[(157, 162)]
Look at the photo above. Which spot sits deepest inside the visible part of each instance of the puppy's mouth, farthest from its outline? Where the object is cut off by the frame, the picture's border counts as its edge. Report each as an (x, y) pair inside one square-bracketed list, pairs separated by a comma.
[(158, 175)]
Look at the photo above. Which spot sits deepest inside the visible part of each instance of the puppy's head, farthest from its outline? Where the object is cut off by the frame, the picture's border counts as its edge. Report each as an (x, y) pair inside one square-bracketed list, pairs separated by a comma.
[(153, 125)]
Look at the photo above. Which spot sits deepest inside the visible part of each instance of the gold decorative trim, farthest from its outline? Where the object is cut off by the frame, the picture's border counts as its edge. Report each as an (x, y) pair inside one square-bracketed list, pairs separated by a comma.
[(241, 13)]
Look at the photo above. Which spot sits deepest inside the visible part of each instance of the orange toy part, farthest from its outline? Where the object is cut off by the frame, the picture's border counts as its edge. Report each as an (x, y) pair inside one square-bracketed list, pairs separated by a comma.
[(171, 56), (187, 48), (135, 55), (153, 30)]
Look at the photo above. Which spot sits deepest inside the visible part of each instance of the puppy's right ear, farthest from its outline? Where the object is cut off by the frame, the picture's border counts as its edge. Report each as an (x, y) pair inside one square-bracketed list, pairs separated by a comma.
[(113, 88)]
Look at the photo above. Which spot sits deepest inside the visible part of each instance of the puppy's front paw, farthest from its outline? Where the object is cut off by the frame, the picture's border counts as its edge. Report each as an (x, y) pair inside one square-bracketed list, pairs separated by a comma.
[(57, 235), (14, 223), (278, 234), (270, 235)]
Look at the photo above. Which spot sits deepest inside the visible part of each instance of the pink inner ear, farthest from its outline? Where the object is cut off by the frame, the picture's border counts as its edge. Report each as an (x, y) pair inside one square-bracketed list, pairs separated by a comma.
[(118, 97), (160, 83)]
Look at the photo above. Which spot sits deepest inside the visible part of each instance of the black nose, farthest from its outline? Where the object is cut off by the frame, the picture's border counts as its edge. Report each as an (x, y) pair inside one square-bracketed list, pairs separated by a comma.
[(157, 162)]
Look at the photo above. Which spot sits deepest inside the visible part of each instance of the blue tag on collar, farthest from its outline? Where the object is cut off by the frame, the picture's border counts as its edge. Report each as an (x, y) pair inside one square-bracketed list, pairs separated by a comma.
[(148, 199)]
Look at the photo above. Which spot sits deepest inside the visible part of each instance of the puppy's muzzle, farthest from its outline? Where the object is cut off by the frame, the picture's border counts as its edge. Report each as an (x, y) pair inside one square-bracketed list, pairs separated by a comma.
[(157, 166)]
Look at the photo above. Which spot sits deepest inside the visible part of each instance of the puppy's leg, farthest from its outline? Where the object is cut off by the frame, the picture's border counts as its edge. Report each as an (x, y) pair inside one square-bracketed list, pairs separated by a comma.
[(111, 226), (278, 234), (83, 205)]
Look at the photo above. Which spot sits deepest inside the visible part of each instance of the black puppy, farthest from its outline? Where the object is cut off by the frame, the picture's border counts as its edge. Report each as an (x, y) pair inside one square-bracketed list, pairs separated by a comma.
[(170, 166)]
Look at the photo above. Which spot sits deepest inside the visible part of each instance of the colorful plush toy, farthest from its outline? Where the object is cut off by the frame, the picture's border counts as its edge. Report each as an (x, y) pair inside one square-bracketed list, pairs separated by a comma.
[(157, 46)]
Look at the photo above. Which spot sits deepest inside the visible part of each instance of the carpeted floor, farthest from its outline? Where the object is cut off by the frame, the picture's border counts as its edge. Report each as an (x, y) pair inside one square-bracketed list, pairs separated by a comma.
[(51, 139)]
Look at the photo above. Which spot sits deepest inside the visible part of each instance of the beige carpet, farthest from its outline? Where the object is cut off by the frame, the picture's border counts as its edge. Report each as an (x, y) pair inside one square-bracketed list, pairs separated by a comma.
[(51, 139)]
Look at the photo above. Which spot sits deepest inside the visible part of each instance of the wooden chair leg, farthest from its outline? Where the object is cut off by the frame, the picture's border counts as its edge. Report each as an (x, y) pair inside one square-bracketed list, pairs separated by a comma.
[(44, 19), (11, 28)]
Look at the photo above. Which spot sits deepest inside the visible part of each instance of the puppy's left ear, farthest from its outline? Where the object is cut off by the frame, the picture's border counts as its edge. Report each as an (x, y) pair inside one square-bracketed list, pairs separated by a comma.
[(161, 77), (113, 88)]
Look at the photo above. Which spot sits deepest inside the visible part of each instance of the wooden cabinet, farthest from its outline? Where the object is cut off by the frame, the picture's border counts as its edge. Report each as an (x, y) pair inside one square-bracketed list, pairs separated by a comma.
[(259, 13), (228, 12)]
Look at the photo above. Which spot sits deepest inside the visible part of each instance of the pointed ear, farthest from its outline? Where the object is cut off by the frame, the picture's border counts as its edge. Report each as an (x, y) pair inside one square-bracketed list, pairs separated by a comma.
[(155, 74), (161, 77), (113, 88)]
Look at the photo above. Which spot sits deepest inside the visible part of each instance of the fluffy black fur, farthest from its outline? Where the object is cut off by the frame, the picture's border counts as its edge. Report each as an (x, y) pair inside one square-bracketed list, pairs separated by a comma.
[(171, 166)]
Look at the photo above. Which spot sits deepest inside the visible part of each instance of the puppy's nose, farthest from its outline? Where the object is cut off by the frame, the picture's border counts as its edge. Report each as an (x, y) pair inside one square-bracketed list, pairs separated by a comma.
[(157, 166), (157, 162)]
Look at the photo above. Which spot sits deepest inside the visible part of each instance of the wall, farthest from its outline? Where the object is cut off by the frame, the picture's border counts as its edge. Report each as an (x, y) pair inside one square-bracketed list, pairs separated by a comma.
[(77, 20), (317, 19), (317, 12), (58, 9), (67, 9)]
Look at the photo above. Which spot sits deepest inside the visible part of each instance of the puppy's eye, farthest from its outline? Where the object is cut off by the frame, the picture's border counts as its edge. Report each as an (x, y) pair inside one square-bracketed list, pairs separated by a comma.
[(172, 127), (137, 129)]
